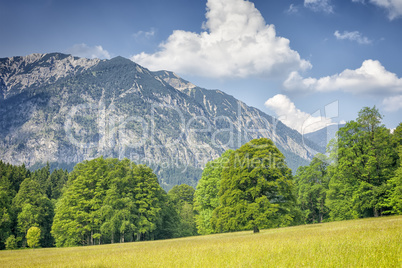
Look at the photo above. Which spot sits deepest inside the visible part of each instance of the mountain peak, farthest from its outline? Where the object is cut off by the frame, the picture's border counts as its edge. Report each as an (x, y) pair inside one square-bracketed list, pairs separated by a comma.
[(174, 80), (121, 59), (21, 72)]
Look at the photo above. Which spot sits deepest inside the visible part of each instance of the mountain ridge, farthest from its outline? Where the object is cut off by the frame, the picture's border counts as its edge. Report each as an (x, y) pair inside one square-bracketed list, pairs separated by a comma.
[(63, 109)]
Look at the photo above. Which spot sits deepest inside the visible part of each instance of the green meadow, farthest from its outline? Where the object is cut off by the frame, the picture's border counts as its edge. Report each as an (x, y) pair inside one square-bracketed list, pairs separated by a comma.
[(372, 242)]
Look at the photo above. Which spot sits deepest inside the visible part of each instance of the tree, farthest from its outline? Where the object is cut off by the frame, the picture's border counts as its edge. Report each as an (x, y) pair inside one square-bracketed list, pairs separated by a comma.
[(206, 197), (255, 190), (78, 212), (42, 176), (363, 161), (33, 237), (108, 200), (182, 198), (119, 210), (397, 135), (11, 242), (182, 193), (10, 180), (56, 182), (6, 221), (33, 208), (311, 186), (169, 224), (148, 196), (394, 201)]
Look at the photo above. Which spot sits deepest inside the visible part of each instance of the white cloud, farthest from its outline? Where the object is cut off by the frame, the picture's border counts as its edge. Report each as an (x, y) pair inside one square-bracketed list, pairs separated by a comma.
[(287, 112), (148, 34), (393, 7), (319, 5), (236, 42), (352, 36), (371, 77), (292, 9), (392, 104), (85, 51)]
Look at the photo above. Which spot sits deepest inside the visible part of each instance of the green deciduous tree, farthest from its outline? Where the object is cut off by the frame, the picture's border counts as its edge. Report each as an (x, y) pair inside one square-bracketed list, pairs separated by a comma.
[(11, 242), (148, 196), (206, 196), (364, 160), (33, 208), (107, 200), (256, 189), (78, 212), (182, 197), (311, 187), (119, 210), (33, 237), (394, 201)]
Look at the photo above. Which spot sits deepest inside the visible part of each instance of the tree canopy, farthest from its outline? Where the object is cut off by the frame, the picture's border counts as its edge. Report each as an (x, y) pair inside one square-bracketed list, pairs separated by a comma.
[(364, 160), (107, 199), (255, 190)]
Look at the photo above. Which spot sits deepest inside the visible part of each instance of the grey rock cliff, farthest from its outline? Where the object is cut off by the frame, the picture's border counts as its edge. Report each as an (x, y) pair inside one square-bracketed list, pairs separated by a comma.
[(62, 109)]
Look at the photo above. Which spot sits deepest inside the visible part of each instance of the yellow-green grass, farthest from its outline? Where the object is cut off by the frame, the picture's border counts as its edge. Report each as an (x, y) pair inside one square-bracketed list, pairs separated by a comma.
[(374, 242)]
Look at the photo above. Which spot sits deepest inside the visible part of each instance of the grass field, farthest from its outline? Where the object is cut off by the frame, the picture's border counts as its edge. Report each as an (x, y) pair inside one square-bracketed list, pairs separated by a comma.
[(374, 242)]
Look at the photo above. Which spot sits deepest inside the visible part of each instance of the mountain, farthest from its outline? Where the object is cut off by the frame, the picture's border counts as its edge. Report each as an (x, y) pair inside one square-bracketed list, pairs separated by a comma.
[(62, 109), (322, 136)]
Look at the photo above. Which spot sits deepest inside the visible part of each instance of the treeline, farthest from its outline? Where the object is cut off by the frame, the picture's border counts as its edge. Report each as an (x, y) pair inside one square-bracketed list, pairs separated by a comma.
[(361, 177), (100, 201), (110, 201), (27, 199)]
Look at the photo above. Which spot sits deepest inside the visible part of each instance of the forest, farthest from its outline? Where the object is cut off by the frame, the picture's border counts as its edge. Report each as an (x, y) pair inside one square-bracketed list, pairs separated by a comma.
[(106, 201)]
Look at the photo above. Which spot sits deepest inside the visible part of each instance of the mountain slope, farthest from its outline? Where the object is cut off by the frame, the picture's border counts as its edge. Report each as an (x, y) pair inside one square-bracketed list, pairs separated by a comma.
[(62, 109), (322, 136)]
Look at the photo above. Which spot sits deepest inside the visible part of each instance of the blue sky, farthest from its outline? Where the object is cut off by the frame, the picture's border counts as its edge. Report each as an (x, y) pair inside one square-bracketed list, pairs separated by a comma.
[(291, 59)]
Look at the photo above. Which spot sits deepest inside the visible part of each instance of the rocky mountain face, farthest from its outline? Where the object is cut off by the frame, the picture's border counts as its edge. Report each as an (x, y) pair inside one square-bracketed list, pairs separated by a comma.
[(62, 109)]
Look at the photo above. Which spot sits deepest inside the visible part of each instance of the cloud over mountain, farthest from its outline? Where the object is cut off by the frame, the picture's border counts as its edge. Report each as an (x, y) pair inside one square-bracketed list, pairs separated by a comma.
[(293, 117), (236, 42), (85, 51)]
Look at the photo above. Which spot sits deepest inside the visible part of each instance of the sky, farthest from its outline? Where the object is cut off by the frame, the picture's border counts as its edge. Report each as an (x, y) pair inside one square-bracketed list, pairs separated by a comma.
[(309, 63)]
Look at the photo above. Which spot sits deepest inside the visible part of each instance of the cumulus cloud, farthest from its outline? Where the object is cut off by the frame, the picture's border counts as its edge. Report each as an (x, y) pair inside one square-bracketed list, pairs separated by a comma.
[(236, 42), (392, 104), (291, 116), (85, 51), (352, 36), (371, 77), (319, 5)]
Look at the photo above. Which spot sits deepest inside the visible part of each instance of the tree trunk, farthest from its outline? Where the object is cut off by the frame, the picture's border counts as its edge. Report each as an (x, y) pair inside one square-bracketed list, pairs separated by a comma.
[(375, 212), (256, 230)]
